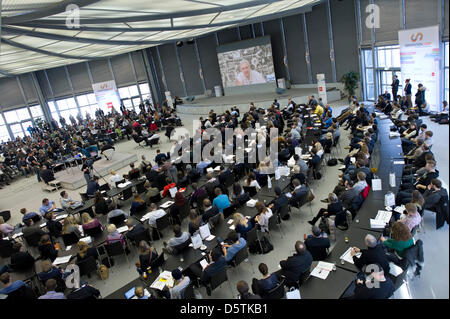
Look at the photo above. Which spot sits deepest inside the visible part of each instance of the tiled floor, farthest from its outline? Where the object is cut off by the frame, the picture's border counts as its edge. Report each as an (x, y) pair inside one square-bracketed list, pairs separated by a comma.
[(432, 284)]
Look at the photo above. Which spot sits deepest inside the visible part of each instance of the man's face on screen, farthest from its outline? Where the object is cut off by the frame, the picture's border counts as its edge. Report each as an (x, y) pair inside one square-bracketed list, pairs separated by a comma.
[(245, 69)]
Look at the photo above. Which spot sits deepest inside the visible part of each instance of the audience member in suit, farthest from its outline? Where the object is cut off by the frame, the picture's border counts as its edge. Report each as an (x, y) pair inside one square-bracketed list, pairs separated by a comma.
[(318, 244), (20, 260), (280, 200), (210, 210), (244, 291), (297, 265), (134, 230), (334, 207), (363, 287), (374, 254), (54, 227), (262, 286), (49, 272), (347, 196), (31, 229), (223, 176), (211, 185), (216, 264), (298, 175), (299, 193)]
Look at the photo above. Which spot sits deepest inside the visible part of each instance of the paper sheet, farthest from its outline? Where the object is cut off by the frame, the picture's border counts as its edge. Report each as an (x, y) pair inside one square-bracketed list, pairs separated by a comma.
[(230, 222), (210, 237), (348, 257), (203, 263), (383, 216), (166, 204), (232, 227), (122, 229), (399, 162), (376, 185), (87, 240), (62, 260), (320, 273), (16, 235), (68, 248), (251, 203), (204, 231)]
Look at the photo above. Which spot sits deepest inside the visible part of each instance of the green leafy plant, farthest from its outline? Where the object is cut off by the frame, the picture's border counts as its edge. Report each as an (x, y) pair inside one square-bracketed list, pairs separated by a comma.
[(350, 81)]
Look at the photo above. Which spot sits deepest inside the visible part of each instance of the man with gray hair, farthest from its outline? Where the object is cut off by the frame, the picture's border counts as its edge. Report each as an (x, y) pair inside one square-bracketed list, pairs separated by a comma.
[(374, 254), (248, 76)]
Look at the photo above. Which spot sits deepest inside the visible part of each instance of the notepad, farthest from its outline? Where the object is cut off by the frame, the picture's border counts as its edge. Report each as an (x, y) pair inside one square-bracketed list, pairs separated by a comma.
[(232, 227), (124, 184), (68, 248), (61, 260), (251, 203), (230, 222), (61, 217), (348, 257), (383, 216), (204, 231), (166, 204), (400, 209), (217, 168), (209, 170), (87, 239), (203, 263), (145, 217), (210, 237), (376, 185), (376, 224), (122, 229)]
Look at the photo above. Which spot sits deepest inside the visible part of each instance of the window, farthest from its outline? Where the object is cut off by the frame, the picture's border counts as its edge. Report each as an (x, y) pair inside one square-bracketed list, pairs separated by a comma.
[(446, 79), (36, 112), (4, 134), (368, 75), (17, 130), (11, 117), (88, 104), (66, 107)]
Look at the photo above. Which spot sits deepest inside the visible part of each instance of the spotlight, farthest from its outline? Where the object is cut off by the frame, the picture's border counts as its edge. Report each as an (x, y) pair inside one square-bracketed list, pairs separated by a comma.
[(179, 44), (190, 41)]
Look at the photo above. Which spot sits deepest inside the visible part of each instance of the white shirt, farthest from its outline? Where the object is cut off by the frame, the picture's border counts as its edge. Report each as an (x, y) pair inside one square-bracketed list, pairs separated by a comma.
[(255, 78), (263, 220), (254, 183), (115, 178), (154, 215)]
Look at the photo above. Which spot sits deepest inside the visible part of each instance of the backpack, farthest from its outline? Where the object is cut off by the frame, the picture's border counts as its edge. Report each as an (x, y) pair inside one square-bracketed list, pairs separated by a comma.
[(332, 162), (103, 272), (318, 175), (257, 245)]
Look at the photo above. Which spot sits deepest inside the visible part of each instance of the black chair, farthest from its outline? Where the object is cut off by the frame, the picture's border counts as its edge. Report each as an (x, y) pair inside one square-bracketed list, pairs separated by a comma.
[(21, 294), (162, 223), (240, 256), (36, 218), (117, 220), (140, 237), (217, 280), (84, 197), (181, 247), (105, 187), (229, 211), (126, 194), (32, 239), (158, 262), (70, 239), (115, 249), (138, 140), (274, 221), (155, 199), (140, 188), (188, 292), (134, 175), (183, 213), (277, 292), (93, 232), (252, 237), (303, 278), (87, 266), (6, 249), (251, 190), (6, 214), (230, 180)]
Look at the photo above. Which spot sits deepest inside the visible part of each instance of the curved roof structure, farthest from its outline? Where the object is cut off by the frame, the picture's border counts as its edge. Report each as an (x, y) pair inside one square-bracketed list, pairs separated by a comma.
[(44, 34)]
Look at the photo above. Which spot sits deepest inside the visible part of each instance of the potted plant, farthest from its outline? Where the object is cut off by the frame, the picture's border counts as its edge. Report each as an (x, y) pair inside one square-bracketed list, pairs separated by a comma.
[(350, 81)]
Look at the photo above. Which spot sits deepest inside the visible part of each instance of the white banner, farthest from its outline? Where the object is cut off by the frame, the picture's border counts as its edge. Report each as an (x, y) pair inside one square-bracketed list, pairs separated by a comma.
[(107, 95), (420, 61), (322, 88)]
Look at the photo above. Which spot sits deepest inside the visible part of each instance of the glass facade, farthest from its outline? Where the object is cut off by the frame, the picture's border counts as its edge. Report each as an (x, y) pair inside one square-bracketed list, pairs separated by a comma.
[(18, 121), (446, 79)]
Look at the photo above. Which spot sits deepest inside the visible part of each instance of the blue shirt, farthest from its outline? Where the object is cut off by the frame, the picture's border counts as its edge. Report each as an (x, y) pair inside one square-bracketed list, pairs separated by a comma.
[(29, 215), (221, 202), (53, 295), (44, 208), (13, 287), (234, 249)]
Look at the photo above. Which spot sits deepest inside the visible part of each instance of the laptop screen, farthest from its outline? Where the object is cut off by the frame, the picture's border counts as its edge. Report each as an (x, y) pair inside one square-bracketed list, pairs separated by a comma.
[(130, 293)]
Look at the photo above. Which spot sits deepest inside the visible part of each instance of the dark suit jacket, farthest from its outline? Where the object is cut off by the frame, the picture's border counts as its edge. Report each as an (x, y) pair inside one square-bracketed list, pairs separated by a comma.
[(21, 260), (374, 255), (213, 211), (317, 247), (296, 265), (224, 175), (213, 269)]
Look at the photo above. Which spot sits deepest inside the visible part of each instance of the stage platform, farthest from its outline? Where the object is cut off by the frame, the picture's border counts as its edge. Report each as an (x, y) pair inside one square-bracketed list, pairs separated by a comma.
[(72, 178), (202, 105)]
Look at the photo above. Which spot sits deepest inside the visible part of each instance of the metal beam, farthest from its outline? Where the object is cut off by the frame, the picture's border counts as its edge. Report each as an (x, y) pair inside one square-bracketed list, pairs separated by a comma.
[(359, 37), (200, 68), (91, 78), (403, 13), (111, 70), (41, 99), (155, 75), (262, 29), (50, 10), (330, 39), (22, 92), (180, 69), (227, 23), (253, 31), (149, 74), (285, 60), (71, 88), (133, 68), (238, 33), (163, 75), (307, 54), (163, 16)]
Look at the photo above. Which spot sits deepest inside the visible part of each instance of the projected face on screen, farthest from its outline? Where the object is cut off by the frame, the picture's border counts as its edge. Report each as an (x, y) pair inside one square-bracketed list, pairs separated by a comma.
[(247, 66)]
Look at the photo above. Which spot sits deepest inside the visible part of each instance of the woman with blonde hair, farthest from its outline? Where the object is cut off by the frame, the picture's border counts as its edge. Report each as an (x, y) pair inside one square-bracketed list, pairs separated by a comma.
[(84, 251), (5, 228), (147, 255), (114, 235), (70, 226), (89, 222), (137, 204), (242, 224)]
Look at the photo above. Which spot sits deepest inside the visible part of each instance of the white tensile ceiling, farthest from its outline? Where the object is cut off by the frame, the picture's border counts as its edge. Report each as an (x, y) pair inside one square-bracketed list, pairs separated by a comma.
[(44, 34)]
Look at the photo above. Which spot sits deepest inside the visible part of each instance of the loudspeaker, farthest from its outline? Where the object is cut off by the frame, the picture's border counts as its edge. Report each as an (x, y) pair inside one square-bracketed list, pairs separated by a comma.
[(179, 44)]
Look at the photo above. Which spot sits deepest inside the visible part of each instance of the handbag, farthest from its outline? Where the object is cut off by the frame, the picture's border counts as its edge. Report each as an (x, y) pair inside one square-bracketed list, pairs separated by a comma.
[(311, 196), (293, 293)]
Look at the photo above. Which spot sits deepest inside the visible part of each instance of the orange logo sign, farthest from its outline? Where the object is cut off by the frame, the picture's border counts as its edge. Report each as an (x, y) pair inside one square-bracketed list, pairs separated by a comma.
[(417, 37)]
